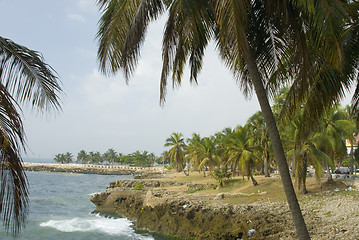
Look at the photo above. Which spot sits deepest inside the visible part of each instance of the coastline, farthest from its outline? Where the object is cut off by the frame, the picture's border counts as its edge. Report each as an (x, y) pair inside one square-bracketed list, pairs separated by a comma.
[(93, 169), (189, 210)]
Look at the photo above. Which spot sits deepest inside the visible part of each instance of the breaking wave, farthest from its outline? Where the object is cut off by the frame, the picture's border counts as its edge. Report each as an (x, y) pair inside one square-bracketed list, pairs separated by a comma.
[(96, 223)]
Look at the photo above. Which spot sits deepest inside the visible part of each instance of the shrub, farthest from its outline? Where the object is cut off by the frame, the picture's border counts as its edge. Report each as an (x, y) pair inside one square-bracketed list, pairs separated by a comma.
[(139, 186), (220, 175)]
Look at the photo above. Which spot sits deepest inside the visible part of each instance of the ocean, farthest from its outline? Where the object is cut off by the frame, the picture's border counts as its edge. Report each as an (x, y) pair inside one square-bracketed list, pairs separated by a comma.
[(60, 209)]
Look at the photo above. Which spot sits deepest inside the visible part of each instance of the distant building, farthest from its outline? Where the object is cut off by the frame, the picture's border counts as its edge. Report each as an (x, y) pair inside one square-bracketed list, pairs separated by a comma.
[(355, 143)]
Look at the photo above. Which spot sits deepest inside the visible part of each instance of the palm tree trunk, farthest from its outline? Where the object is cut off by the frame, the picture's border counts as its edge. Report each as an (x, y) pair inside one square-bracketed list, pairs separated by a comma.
[(292, 200), (294, 162), (329, 174), (302, 175), (253, 180), (265, 163), (351, 157)]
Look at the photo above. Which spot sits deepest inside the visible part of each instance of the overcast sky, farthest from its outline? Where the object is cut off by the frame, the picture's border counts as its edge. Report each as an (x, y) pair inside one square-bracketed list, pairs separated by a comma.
[(101, 113)]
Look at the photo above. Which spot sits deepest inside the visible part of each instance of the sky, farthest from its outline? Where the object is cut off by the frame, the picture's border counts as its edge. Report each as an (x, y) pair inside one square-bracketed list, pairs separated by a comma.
[(101, 112)]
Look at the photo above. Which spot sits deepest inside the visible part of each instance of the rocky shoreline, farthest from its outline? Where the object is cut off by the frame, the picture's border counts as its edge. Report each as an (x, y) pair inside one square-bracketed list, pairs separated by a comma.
[(138, 172), (157, 207)]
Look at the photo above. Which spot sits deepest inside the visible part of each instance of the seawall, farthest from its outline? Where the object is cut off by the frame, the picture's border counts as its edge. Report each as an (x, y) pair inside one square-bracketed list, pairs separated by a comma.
[(93, 169)]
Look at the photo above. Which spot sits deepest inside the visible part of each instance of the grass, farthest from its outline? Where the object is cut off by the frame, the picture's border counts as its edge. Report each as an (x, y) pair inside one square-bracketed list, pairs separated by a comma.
[(242, 191)]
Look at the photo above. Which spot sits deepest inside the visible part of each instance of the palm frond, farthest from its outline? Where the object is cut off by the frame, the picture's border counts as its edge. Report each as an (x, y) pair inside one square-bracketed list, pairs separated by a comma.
[(13, 184), (27, 77), (187, 32), (122, 30)]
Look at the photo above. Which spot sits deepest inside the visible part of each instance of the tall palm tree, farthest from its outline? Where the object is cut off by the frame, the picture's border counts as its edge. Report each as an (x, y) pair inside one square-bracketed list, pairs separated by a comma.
[(60, 158), (110, 156), (207, 153), (25, 78), (353, 131), (336, 128), (177, 151), (193, 152), (82, 157), (68, 157), (241, 151), (258, 131), (306, 152), (252, 36)]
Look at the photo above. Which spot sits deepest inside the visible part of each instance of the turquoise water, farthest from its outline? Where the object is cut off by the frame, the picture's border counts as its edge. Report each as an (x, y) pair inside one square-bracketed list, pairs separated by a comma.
[(60, 209)]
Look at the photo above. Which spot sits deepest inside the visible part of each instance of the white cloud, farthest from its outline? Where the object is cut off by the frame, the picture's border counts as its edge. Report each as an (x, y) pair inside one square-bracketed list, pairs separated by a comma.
[(102, 91), (87, 6), (76, 17), (87, 53)]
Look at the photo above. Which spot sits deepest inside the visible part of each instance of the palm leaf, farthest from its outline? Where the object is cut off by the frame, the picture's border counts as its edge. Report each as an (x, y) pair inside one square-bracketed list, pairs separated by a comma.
[(13, 184), (122, 29), (187, 32), (27, 77), (24, 79)]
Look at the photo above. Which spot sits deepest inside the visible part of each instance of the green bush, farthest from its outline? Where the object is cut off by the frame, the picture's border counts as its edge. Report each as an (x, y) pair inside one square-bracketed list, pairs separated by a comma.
[(220, 175), (139, 186)]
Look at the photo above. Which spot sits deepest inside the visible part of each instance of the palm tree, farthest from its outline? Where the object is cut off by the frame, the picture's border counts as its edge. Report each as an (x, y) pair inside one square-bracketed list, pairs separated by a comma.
[(207, 154), (110, 156), (68, 157), (59, 158), (25, 78), (152, 158), (95, 157), (240, 148), (304, 153), (259, 133), (177, 152), (193, 152), (82, 157), (336, 128), (352, 130), (253, 38)]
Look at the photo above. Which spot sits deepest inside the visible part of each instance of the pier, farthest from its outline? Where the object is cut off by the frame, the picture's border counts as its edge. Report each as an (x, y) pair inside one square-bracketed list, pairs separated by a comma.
[(92, 169)]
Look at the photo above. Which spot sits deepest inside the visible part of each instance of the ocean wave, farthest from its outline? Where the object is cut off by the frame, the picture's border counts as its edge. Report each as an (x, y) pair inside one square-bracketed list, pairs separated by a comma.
[(91, 194), (97, 223)]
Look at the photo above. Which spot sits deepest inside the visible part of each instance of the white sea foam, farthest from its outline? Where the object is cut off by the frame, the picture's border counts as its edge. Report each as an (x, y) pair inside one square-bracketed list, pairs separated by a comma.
[(91, 194), (95, 223)]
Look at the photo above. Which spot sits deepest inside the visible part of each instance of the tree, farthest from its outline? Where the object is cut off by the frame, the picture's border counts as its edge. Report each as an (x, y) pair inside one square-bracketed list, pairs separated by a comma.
[(207, 154), (305, 152), (60, 158), (258, 131), (240, 148), (95, 157), (253, 37), (25, 78), (335, 127), (176, 153), (351, 129), (163, 159), (152, 159), (193, 152), (68, 157), (82, 157), (110, 156)]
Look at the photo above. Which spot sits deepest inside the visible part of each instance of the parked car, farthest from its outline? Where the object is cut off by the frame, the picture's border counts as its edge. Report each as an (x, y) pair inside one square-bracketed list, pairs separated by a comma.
[(341, 171)]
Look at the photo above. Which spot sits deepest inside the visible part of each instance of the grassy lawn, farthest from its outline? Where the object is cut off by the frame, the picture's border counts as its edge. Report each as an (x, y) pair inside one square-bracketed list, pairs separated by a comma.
[(242, 191)]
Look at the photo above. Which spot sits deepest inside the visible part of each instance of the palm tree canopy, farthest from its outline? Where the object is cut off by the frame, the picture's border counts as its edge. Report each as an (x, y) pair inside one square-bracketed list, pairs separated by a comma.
[(25, 78), (176, 153), (261, 42)]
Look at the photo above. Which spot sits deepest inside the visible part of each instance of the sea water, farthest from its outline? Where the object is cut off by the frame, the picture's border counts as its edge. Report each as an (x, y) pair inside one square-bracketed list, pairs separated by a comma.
[(60, 209)]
